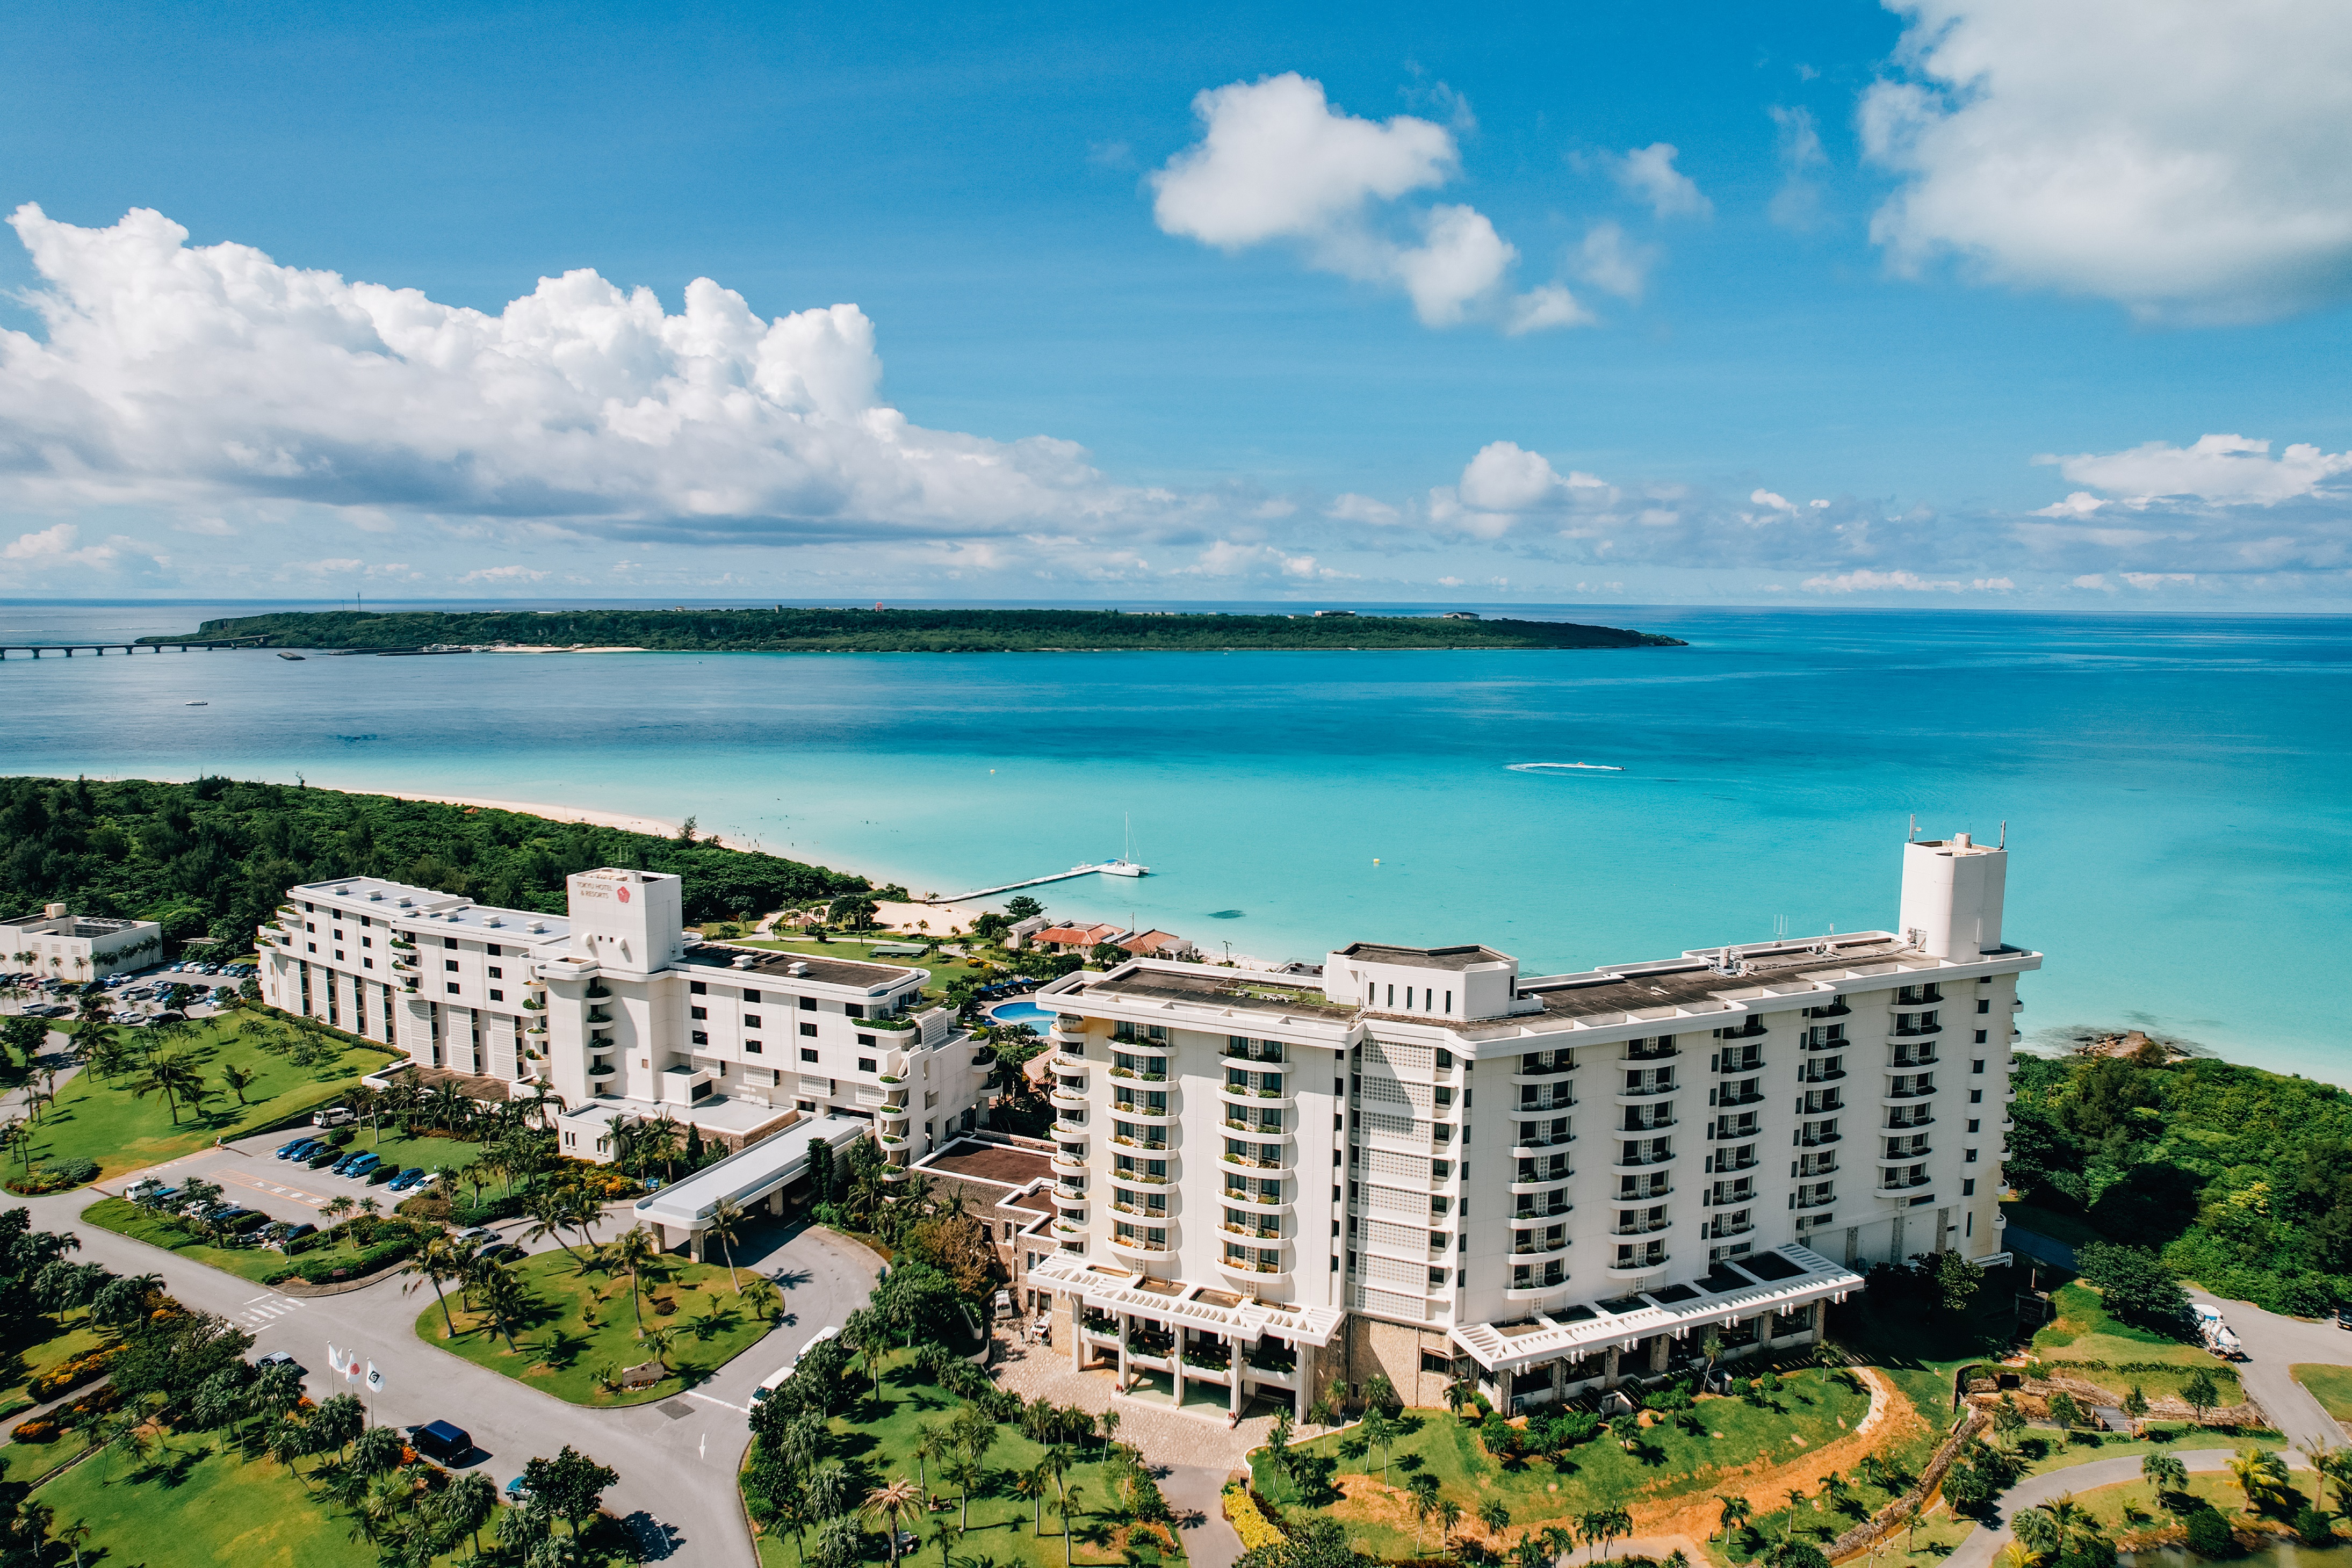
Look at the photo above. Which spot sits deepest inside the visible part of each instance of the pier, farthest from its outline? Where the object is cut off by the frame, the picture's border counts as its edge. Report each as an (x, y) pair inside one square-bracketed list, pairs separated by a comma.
[(1107, 868), (71, 649)]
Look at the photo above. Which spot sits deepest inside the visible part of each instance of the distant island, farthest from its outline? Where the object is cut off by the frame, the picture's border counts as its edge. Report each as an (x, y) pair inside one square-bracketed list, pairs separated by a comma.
[(793, 631)]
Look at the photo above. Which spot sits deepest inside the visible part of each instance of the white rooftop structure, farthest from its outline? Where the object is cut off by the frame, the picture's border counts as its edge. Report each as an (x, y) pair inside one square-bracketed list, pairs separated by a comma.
[(757, 1175)]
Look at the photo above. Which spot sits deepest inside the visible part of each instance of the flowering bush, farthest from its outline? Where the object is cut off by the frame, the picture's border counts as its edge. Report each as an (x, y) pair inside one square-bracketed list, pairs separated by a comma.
[(72, 1372), (1252, 1525)]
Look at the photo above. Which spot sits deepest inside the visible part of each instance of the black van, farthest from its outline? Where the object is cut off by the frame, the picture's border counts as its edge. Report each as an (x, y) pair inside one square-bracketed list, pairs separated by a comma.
[(440, 1440)]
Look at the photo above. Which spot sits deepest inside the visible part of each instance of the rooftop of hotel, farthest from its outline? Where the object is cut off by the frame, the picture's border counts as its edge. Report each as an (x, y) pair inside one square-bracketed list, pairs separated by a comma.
[(400, 901), (1453, 960), (1000, 1165), (1235, 990), (786, 964)]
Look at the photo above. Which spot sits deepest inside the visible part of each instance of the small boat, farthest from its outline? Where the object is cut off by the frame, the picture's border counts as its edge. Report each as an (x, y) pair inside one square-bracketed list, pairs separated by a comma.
[(1591, 766), (1564, 768), (295, 656), (195, 705)]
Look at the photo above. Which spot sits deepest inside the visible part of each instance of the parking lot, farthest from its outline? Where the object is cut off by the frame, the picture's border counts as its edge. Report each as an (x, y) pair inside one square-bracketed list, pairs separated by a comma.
[(250, 1175)]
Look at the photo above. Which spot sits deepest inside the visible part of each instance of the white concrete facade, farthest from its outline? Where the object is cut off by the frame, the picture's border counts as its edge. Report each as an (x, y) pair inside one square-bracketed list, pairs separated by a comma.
[(69, 946), (621, 1012), (1548, 1175)]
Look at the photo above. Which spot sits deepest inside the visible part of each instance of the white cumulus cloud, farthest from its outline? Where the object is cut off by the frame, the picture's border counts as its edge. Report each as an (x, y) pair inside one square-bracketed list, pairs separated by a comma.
[(1277, 162), (176, 375), (1868, 581), (1611, 261), (2182, 158), (2229, 470), (1649, 173)]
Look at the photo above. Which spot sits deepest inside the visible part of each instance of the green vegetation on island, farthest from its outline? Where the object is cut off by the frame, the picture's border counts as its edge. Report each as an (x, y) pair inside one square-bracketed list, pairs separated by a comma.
[(215, 856), (782, 630), (2234, 1178)]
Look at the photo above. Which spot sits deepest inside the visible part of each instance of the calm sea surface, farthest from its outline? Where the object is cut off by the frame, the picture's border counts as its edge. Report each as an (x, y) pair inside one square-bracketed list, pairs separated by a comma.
[(2178, 791)]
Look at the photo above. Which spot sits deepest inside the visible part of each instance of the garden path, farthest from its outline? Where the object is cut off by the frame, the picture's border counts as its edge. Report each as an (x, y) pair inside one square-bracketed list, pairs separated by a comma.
[(1978, 1548)]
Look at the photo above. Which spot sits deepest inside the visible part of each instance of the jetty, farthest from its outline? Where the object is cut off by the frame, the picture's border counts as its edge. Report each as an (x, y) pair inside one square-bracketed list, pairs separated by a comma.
[(71, 649), (1105, 868)]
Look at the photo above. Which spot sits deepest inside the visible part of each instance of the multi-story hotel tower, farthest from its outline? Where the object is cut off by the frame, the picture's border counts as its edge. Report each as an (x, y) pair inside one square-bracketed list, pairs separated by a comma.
[(1422, 1160)]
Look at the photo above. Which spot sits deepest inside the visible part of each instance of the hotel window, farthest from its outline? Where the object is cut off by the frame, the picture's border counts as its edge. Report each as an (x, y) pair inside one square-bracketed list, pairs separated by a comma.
[(751, 1020), (497, 996), (453, 988), (494, 950), (312, 945), (807, 1055), (451, 964), (496, 973), (808, 1004), (750, 995), (448, 941), (338, 954), (809, 1030), (865, 1064), (753, 1046), (367, 963), (866, 1040), (367, 941), (697, 1012), (855, 1009), (696, 989), (1980, 1037), (338, 936), (701, 1038)]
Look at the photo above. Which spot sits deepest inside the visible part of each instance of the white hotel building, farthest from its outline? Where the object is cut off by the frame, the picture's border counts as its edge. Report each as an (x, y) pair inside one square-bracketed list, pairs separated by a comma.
[(623, 1012), (1264, 1184)]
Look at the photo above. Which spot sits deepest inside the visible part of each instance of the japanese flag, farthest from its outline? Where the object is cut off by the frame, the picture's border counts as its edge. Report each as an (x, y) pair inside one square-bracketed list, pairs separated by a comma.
[(374, 1379), (350, 1366)]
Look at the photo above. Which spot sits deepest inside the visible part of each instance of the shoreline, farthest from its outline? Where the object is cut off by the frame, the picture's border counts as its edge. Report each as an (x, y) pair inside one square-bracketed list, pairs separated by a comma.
[(626, 822)]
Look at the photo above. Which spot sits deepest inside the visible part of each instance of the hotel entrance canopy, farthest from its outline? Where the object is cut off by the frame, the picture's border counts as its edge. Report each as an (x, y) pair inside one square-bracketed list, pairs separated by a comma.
[(1780, 1280)]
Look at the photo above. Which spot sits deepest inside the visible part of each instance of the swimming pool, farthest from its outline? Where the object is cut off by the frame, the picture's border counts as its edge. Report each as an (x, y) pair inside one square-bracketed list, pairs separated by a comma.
[(1026, 1012)]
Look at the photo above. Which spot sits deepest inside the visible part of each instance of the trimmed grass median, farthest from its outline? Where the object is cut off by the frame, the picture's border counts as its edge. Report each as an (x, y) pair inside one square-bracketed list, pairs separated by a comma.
[(2331, 1386), (255, 1263), (576, 1329)]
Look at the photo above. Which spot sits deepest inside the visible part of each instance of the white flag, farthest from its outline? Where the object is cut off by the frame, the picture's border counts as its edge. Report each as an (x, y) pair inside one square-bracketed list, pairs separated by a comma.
[(374, 1379), (334, 1358)]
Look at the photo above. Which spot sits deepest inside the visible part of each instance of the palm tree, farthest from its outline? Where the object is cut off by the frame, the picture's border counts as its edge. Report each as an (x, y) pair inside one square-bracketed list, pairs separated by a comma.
[(959, 1472), (1449, 1514), (1065, 1505), (467, 1504), (726, 1222), (2261, 1475), (1736, 1511), (1494, 1517), (759, 1293), (632, 1252), (550, 1212), (660, 1337), (892, 1505), (503, 1298), (1055, 1463), (1376, 1435), (1424, 1488), (172, 1079), (438, 1259), (930, 1443), (1034, 1483), (1459, 1391)]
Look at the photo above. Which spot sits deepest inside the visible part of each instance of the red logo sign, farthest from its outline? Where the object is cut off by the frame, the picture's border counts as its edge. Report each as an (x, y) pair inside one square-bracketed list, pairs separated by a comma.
[(622, 894)]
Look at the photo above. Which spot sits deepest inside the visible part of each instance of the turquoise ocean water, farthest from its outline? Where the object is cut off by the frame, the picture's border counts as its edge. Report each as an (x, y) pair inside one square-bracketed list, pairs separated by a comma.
[(2178, 791)]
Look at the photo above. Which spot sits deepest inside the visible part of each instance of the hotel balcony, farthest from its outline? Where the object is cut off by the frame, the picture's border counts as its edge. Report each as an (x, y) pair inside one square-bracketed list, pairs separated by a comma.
[(1142, 1141), (1143, 1074), (1908, 1124), (1137, 1211), (602, 1071), (1524, 1074), (1234, 1095), (1525, 1151), (1642, 1094), (1541, 1183), (598, 1015), (1531, 1215), (1253, 1232), (1255, 1204), (1066, 1163), (1803, 1203), (1524, 1294), (1538, 1249), (1906, 1097), (1550, 1106), (1747, 1030), (1901, 1189), (1276, 1135), (1249, 1268), (1635, 1271), (1756, 1097), (1250, 1162), (1916, 1031), (1137, 1245), (1071, 1130), (1640, 1163), (1068, 1099), (1141, 1112), (1647, 1228)]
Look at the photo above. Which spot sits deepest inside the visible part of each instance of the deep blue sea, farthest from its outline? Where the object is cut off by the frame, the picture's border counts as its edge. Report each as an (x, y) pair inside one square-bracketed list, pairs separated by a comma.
[(2176, 790)]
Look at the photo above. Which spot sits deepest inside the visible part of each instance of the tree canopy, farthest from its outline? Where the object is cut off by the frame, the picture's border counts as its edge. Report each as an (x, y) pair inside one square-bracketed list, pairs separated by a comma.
[(215, 856)]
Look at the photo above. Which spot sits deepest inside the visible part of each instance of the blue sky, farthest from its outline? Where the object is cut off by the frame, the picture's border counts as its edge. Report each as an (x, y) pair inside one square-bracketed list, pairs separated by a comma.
[(1713, 303)]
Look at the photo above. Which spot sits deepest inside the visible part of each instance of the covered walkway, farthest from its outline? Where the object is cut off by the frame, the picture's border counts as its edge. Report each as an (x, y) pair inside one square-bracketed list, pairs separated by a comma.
[(681, 1212)]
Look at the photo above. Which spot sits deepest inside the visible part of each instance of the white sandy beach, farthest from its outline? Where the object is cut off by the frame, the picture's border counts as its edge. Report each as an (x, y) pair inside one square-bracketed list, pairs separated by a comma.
[(620, 819)]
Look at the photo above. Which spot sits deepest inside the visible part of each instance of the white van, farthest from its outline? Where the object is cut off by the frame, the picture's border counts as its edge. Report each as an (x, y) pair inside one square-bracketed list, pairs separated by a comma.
[(775, 1379), (333, 1116)]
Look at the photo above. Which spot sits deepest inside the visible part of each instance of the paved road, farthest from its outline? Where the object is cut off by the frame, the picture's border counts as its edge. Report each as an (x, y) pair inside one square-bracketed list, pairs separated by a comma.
[(2274, 1343), (676, 1459), (1981, 1544)]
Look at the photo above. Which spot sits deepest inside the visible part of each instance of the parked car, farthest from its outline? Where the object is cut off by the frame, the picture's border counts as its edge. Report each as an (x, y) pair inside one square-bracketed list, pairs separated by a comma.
[(476, 1233), (517, 1493), (281, 1234), (331, 1116), (159, 1196), (502, 1252), (325, 1155), (301, 1149), (359, 1164), (443, 1441), (408, 1178), (774, 1380), (275, 1358), (379, 1173), (286, 1151)]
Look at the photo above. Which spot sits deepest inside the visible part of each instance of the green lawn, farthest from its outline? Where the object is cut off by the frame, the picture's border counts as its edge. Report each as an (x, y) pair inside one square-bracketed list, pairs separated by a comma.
[(74, 1336), (106, 1121), (1668, 1463), (582, 1323), (880, 1437), (2129, 1505), (431, 1150), (2083, 1331), (188, 1506), (2331, 1386), (256, 1263)]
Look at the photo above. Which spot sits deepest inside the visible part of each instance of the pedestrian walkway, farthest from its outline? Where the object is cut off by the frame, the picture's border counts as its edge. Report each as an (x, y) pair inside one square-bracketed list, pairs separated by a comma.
[(1981, 1545), (263, 1312)]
